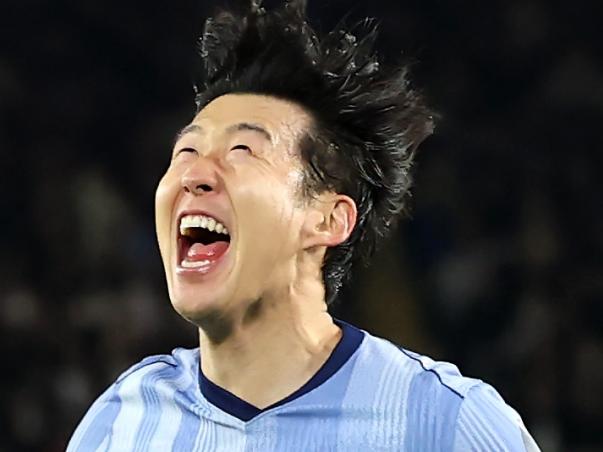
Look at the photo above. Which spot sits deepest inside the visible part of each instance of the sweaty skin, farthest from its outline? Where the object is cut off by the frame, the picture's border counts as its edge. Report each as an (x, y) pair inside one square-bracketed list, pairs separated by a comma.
[(263, 324)]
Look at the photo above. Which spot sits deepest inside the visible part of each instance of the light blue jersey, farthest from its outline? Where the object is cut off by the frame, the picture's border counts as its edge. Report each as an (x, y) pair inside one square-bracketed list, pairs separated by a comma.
[(369, 396)]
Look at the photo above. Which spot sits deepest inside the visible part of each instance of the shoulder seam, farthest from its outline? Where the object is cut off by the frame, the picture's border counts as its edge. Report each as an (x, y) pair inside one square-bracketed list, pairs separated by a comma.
[(144, 363), (405, 352)]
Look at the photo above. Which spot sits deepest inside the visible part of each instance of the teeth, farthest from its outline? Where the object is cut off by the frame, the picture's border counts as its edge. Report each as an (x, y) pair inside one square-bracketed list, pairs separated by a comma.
[(194, 264), (201, 221)]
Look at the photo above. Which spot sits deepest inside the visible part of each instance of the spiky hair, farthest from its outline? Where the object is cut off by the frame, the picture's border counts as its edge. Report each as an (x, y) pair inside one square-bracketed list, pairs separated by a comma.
[(367, 120)]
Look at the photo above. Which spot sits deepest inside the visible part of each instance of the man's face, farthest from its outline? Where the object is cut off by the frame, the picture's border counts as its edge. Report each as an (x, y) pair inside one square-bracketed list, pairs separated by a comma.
[(236, 164)]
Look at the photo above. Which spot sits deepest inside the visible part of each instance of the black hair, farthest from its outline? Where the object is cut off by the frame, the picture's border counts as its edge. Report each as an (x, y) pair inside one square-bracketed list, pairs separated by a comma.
[(367, 120)]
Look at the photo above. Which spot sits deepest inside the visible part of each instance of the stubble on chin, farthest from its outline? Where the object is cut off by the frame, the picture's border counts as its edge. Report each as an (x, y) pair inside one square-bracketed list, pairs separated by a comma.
[(218, 326)]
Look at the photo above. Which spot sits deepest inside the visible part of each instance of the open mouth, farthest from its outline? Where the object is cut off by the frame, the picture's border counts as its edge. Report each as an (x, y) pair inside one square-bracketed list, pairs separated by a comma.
[(202, 241)]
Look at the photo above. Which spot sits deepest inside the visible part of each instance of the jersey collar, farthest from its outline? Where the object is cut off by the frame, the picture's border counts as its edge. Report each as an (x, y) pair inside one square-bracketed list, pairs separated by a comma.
[(351, 339)]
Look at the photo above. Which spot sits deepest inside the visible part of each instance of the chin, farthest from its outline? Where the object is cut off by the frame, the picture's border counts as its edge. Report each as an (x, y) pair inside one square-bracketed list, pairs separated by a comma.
[(196, 292), (195, 308)]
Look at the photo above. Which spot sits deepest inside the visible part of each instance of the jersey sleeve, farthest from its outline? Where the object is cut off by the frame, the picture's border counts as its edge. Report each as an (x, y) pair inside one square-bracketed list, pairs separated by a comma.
[(95, 428), (486, 423)]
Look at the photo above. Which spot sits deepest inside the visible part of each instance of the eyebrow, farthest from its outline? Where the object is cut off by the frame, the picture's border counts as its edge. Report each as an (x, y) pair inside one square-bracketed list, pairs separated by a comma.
[(194, 128), (191, 128), (249, 126)]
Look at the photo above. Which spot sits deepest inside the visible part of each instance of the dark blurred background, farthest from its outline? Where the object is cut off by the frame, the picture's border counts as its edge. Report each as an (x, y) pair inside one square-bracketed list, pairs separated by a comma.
[(499, 270)]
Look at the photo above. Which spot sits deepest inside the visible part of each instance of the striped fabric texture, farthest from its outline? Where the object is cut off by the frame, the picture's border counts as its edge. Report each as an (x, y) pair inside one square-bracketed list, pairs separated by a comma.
[(369, 396)]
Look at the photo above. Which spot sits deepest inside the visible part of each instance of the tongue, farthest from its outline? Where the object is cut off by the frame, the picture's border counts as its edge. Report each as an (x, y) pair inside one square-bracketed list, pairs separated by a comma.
[(200, 252)]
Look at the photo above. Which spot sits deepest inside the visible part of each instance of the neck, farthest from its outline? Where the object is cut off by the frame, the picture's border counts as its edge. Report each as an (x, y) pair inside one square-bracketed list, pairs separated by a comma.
[(272, 349)]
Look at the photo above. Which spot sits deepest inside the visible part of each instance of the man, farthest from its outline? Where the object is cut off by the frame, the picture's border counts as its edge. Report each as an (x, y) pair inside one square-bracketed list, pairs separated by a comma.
[(294, 167)]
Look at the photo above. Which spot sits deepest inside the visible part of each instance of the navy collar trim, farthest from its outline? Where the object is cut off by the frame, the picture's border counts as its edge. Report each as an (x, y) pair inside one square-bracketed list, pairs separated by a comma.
[(351, 339)]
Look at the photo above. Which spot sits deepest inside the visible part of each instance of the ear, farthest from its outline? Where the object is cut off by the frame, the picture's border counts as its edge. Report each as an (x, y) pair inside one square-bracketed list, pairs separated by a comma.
[(329, 221)]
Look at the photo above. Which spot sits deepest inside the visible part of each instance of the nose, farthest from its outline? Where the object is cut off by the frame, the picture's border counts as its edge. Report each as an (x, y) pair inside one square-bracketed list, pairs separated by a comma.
[(200, 179)]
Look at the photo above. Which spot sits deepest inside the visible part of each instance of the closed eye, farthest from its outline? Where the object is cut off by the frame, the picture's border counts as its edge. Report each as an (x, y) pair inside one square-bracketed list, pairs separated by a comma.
[(185, 151), (241, 146)]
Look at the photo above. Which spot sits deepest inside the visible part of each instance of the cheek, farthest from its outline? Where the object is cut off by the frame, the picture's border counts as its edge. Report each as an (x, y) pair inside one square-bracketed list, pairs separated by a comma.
[(268, 211), (165, 196)]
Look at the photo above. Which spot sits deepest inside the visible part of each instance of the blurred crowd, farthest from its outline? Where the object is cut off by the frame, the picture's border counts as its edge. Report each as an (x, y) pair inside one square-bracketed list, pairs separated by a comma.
[(498, 269)]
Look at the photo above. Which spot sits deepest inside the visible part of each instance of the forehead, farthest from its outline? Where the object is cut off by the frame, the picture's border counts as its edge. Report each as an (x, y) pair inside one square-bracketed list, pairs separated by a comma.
[(284, 120)]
